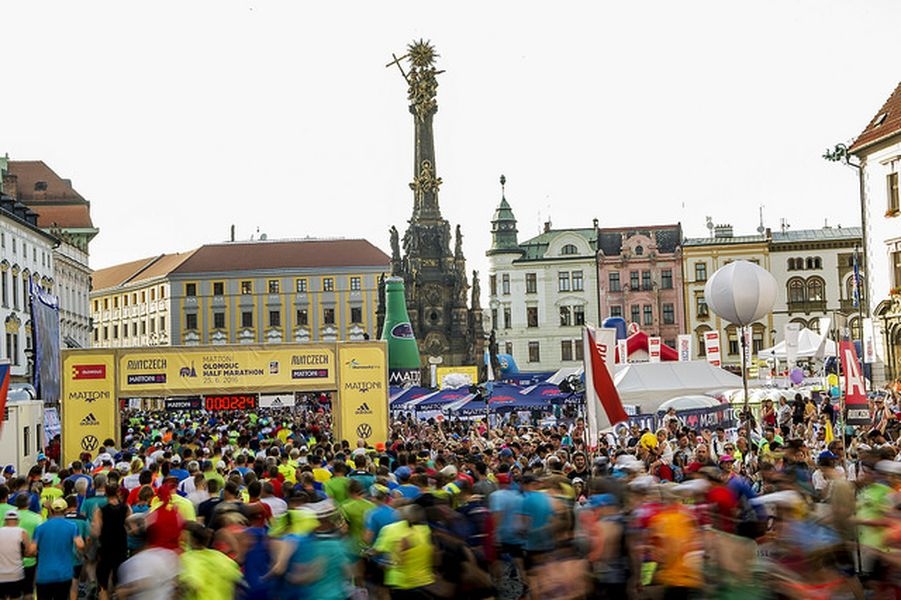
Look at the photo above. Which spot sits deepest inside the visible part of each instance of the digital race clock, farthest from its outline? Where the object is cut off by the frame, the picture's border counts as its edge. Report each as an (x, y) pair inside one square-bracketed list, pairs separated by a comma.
[(230, 402)]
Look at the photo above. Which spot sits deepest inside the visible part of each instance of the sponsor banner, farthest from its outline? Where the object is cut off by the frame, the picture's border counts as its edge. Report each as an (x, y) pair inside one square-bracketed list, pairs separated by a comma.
[(219, 368), (90, 411), (683, 347), (405, 377), (622, 349), (654, 349), (277, 400), (792, 333), (712, 347), (468, 374), (869, 341), (52, 425), (190, 403), (362, 407), (855, 387), (697, 419)]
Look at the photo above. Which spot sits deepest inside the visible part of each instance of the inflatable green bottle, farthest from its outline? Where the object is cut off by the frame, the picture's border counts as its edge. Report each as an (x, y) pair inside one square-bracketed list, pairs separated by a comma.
[(403, 352)]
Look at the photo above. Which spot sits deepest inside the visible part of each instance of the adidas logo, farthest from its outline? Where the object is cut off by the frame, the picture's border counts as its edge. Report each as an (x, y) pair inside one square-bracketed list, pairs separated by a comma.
[(363, 410), (90, 420), (277, 403)]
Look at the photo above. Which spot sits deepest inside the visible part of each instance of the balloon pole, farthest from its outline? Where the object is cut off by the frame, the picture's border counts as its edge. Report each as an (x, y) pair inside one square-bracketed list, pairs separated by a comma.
[(744, 384)]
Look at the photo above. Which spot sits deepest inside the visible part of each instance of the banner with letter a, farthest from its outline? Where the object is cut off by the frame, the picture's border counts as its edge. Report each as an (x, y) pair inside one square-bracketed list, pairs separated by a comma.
[(855, 388)]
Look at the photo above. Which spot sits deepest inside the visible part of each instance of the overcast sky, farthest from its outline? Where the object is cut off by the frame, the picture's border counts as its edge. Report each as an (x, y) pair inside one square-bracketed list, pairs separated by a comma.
[(180, 119)]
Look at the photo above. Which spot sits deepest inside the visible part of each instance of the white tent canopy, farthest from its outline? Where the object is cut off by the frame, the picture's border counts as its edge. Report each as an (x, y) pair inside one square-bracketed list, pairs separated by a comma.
[(808, 344), (649, 385), (689, 402)]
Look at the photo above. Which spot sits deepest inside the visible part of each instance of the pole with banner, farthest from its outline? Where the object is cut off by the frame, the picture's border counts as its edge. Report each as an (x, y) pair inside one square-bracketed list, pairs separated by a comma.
[(855, 391), (622, 349), (602, 403), (654, 349), (712, 347), (683, 342)]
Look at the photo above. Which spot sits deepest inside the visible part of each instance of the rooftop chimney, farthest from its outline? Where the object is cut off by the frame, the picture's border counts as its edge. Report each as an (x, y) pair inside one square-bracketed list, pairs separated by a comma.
[(11, 184), (722, 231)]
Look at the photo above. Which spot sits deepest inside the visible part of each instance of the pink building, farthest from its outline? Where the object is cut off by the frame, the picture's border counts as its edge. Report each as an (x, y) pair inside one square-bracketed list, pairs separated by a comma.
[(640, 278)]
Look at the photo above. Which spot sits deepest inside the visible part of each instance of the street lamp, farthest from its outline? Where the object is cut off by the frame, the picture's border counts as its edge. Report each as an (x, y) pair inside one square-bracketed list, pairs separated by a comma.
[(741, 293)]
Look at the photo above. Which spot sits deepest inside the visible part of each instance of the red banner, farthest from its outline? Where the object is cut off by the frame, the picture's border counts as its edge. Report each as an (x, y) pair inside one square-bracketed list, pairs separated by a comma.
[(855, 387)]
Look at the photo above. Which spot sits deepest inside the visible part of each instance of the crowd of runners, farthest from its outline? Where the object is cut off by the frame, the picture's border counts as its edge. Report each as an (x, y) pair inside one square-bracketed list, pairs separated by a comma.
[(266, 505)]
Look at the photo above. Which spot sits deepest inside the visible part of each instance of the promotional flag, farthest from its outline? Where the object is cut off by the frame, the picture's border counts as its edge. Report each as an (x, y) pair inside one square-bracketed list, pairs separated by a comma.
[(855, 388), (602, 401), (792, 333), (684, 344), (4, 391), (654, 349), (712, 347), (622, 349), (869, 341), (825, 323)]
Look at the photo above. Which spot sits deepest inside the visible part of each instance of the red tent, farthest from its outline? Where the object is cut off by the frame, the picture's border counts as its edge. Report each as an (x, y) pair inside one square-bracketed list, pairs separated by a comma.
[(639, 341)]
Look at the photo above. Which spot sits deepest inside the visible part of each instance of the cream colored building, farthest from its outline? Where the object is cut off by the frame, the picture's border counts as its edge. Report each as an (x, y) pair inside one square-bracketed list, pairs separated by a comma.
[(250, 292), (701, 257)]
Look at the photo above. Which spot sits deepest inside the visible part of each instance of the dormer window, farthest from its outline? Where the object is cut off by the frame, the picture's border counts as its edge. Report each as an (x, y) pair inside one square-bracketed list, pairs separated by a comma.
[(569, 249), (639, 250)]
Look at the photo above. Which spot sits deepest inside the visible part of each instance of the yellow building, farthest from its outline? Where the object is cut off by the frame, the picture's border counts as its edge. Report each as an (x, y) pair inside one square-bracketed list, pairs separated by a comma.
[(250, 292), (701, 257)]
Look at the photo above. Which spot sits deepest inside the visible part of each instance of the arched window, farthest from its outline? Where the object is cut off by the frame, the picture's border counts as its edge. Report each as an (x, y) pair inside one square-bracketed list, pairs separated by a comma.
[(849, 287), (809, 262), (699, 332), (733, 343), (791, 264), (569, 249), (795, 290), (758, 332), (639, 250), (817, 263), (815, 287), (799, 263)]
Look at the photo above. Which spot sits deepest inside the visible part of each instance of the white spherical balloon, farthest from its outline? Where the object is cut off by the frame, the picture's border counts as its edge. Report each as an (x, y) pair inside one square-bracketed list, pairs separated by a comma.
[(741, 292)]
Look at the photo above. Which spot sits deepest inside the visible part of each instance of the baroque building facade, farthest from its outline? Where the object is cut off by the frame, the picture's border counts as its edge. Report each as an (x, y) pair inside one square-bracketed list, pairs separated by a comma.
[(541, 291), (639, 272), (815, 272), (245, 292), (877, 150), (701, 257), (66, 215), (26, 254), (444, 310)]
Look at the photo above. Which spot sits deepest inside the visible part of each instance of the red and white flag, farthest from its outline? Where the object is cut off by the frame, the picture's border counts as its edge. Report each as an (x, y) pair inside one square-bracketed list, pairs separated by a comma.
[(603, 405)]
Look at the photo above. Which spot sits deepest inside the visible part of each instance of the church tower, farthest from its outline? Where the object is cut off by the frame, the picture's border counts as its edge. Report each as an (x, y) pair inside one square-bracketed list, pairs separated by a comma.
[(437, 287), (503, 228)]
